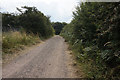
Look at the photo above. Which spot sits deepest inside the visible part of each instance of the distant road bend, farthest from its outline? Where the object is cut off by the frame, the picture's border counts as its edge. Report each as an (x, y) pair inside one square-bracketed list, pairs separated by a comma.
[(48, 60)]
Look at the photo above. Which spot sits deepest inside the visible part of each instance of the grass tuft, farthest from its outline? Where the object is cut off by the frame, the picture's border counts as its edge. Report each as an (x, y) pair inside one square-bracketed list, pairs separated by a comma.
[(15, 40)]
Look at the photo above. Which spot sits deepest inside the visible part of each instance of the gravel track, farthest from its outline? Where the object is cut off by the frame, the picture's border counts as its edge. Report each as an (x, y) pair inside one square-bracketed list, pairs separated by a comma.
[(48, 60)]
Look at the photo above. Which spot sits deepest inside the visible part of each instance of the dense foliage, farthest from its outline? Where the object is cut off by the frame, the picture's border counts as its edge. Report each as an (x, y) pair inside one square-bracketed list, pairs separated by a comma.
[(29, 19), (94, 34), (58, 26)]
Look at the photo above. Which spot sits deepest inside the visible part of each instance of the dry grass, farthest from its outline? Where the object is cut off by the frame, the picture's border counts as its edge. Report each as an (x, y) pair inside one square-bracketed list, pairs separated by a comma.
[(12, 41)]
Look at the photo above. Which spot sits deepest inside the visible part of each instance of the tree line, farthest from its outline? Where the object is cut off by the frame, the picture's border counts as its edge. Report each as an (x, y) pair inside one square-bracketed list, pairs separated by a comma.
[(94, 35), (58, 26), (30, 19)]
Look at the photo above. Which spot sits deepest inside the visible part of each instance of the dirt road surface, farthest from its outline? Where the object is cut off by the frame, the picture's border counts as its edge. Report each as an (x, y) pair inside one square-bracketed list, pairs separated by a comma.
[(48, 60)]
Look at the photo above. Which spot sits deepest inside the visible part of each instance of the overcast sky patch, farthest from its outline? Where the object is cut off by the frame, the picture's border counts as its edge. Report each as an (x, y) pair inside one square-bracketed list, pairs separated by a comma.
[(59, 10)]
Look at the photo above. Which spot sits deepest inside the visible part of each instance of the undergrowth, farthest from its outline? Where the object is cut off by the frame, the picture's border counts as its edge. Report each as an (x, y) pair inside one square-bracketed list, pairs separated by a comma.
[(92, 67)]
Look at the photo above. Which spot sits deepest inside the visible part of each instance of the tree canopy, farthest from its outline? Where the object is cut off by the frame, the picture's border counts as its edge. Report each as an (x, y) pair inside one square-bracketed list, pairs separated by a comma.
[(31, 19), (58, 26)]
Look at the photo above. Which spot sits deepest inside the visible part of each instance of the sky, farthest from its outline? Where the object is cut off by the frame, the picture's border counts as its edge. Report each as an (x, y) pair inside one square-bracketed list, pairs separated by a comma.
[(59, 10)]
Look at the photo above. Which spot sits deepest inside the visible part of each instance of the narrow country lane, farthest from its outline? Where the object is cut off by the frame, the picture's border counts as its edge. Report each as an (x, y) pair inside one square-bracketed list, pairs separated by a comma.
[(48, 60)]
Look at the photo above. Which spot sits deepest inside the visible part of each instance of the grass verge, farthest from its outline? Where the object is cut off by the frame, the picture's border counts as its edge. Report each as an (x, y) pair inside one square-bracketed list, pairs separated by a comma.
[(14, 41)]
